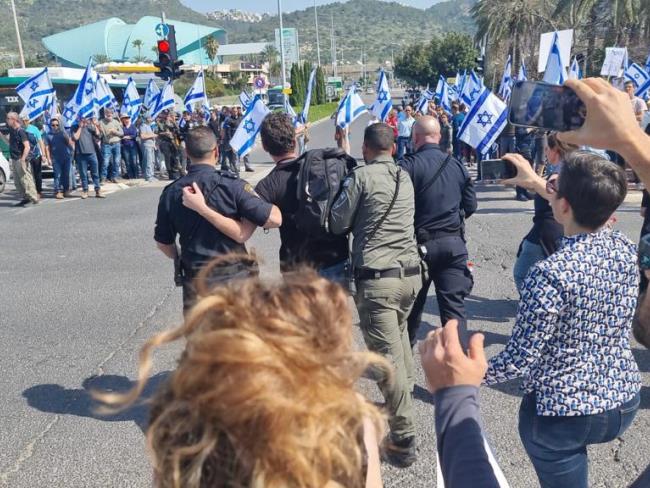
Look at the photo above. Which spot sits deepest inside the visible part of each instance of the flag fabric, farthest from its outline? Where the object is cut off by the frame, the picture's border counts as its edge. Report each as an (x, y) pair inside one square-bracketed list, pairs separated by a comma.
[(459, 85), (384, 103), (304, 115), (575, 73), (422, 104), (196, 95), (104, 95), (523, 73), (484, 122), (472, 89), (82, 103), (151, 96), (642, 90), (444, 95), (555, 72), (244, 138), (647, 64), (165, 100), (291, 112), (350, 108), (131, 103), (636, 74), (245, 99), (505, 89), (38, 93)]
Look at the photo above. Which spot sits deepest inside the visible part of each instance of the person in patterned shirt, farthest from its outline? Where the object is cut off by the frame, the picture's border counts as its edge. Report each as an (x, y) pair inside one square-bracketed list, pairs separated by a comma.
[(571, 339)]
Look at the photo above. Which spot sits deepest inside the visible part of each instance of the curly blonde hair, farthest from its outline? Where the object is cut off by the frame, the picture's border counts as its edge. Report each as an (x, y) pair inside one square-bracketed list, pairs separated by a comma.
[(263, 394)]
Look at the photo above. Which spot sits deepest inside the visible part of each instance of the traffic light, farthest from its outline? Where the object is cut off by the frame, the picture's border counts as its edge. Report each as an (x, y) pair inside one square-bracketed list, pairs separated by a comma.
[(168, 61), (480, 64)]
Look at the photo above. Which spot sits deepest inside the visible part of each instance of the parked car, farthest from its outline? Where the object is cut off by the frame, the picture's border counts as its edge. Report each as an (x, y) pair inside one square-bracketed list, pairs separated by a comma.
[(4, 172)]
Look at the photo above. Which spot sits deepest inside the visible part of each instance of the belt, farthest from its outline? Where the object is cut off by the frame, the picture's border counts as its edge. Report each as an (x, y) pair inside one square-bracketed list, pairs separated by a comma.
[(371, 274), (428, 235)]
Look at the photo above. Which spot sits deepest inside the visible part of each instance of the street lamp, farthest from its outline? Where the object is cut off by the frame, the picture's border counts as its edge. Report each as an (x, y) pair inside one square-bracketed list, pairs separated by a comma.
[(20, 42), (284, 71), (317, 38)]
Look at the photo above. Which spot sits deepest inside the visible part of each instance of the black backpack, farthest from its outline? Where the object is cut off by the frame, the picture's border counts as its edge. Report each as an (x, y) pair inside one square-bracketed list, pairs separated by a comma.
[(320, 178)]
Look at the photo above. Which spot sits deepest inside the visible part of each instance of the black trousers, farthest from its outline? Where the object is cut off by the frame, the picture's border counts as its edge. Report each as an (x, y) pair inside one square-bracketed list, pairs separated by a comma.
[(170, 153), (37, 171), (231, 161), (447, 261)]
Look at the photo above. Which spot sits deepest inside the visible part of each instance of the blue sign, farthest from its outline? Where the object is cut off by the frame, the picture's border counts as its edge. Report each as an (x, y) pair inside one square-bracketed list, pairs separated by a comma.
[(162, 30)]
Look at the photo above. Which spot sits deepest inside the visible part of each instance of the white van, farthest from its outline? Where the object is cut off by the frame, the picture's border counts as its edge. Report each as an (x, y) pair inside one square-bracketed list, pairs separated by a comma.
[(4, 172)]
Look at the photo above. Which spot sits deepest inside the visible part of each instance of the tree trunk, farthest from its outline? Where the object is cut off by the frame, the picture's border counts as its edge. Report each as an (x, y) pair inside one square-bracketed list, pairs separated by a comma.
[(591, 42)]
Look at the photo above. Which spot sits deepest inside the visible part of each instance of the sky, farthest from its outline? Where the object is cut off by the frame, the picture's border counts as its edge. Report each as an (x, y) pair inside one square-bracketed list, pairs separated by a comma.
[(270, 6)]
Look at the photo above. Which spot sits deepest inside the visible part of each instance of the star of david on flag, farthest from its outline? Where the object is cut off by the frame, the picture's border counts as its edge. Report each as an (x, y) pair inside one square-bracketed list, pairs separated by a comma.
[(165, 100), (244, 138), (383, 104), (472, 89), (484, 123), (37, 92), (151, 96), (82, 103), (422, 104), (131, 103), (350, 108), (197, 96), (636, 74)]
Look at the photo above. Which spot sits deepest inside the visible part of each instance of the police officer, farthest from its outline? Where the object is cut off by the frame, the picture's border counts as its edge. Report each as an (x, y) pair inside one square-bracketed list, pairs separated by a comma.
[(377, 206), (200, 241), (444, 197)]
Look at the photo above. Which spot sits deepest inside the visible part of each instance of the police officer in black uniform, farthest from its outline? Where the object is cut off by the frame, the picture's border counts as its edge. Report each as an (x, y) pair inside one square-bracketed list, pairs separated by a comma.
[(444, 198), (200, 241)]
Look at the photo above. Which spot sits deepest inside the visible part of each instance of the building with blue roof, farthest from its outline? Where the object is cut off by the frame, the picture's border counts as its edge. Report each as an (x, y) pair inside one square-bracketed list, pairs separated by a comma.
[(114, 38)]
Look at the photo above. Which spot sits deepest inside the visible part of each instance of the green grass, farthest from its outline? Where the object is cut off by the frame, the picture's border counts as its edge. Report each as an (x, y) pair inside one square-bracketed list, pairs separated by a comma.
[(318, 112)]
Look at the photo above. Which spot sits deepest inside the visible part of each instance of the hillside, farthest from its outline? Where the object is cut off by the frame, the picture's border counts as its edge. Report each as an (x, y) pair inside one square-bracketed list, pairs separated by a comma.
[(369, 24)]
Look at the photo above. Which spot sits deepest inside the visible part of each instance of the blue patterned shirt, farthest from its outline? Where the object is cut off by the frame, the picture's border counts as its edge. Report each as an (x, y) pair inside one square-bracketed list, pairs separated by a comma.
[(571, 340)]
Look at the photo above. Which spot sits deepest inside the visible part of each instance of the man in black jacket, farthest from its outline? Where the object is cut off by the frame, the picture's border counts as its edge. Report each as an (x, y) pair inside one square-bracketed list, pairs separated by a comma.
[(444, 197)]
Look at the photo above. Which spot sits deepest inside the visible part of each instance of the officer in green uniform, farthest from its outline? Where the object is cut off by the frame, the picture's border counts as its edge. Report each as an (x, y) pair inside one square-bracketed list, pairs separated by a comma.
[(377, 206)]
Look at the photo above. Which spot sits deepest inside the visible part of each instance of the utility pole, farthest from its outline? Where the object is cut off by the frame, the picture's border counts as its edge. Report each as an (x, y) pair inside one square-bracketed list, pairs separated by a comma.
[(20, 42), (282, 61), (333, 40), (317, 38)]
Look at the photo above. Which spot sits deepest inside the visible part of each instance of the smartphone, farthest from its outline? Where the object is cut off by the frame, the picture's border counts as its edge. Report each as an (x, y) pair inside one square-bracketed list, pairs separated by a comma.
[(497, 169), (545, 106)]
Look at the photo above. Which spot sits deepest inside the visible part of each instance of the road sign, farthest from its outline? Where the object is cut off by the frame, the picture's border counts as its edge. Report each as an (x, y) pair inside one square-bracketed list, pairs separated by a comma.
[(259, 82), (287, 91), (162, 30)]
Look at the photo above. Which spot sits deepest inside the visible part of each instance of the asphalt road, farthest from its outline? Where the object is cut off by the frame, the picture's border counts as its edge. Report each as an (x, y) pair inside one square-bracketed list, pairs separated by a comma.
[(82, 286)]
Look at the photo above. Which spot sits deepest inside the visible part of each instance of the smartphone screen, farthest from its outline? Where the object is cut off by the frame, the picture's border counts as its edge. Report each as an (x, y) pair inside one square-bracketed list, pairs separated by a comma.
[(497, 169), (545, 106)]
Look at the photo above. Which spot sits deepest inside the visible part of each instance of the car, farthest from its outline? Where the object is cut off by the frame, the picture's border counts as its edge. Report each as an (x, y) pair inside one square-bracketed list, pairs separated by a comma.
[(4, 172)]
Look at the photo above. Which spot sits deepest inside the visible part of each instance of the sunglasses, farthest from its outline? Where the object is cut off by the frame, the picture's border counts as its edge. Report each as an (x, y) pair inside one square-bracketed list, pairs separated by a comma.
[(552, 186)]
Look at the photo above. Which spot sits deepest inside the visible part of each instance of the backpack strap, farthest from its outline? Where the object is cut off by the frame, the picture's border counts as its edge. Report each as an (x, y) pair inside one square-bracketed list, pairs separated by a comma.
[(435, 177), (383, 217)]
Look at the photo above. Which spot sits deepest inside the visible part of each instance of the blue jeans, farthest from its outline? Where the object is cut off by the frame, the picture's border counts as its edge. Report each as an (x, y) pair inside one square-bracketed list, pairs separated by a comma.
[(338, 273), (84, 163), (403, 146), (130, 154), (529, 254), (557, 446), (112, 155), (148, 160), (61, 169)]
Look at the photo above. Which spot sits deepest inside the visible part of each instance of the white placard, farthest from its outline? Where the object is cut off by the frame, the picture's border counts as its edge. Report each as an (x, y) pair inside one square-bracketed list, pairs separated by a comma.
[(613, 64), (546, 40)]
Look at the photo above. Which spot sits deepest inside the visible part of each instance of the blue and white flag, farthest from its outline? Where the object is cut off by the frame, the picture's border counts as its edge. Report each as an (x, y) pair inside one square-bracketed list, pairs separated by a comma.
[(505, 89), (244, 138), (291, 112), (636, 74), (460, 85), (304, 115), (165, 100), (151, 96), (384, 103), (131, 103), (647, 64), (642, 91), (82, 103), (245, 100), (555, 72), (196, 95), (104, 95), (444, 95), (38, 93), (422, 104), (523, 73), (575, 73), (484, 122), (472, 89), (350, 108)]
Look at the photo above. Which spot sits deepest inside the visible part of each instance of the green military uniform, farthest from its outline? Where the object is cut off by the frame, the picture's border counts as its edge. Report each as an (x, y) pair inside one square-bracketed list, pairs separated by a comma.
[(388, 272)]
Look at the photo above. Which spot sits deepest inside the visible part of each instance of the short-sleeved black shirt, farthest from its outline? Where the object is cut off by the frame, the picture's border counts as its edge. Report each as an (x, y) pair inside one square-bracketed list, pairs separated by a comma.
[(17, 139), (280, 188), (199, 240)]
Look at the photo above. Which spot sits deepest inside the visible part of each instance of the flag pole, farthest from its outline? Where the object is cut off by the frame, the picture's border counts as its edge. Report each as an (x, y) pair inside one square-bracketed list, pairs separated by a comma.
[(20, 42)]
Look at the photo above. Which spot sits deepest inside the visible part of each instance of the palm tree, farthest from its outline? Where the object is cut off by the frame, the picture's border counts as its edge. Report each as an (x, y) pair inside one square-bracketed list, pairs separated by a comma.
[(270, 54), (211, 48), (137, 43)]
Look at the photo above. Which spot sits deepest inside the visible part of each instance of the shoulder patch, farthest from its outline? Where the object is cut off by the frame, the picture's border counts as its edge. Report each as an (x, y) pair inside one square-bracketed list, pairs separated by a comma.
[(249, 188)]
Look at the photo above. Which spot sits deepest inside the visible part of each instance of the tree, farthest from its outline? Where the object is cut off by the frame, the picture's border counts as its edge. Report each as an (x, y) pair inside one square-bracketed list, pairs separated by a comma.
[(297, 97), (320, 90), (270, 54), (101, 58), (211, 47), (137, 43), (238, 81)]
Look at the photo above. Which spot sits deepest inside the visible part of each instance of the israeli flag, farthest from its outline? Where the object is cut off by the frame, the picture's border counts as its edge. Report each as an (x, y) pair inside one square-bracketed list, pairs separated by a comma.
[(636, 74), (484, 122), (460, 84), (384, 103), (196, 94), (555, 72), (303, 117), (151, 96), (131, 104), (37, 92), (291, 112), (575, 73), (472, 89), (422, 104), (244, 138), (165, 100), (642, 90), (444, 95), (350, 108), (523, 73), (82, 103), (647, 64), (245, 99), (505, 89), (104, 95)]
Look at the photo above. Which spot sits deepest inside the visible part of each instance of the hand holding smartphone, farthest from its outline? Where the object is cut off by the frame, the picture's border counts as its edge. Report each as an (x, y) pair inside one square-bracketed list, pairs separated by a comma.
[(497, 169)]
